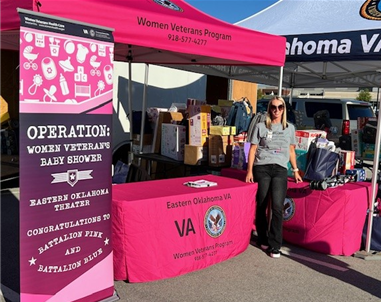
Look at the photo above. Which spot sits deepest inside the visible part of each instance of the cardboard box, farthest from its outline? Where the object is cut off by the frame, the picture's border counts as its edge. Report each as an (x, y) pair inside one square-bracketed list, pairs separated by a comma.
[(241, 138), (301, 162), (4, 114), (356, 175), (305, 137), (164, 118), (199, 121), (136, 148), (356, 142), (147, 143), (240, 153), (225, 110), (347, 161), (368, 151), (220, 150), (222, 130), (147, 139), (195, 155), (225, 103), (173, 138), (195, 102)]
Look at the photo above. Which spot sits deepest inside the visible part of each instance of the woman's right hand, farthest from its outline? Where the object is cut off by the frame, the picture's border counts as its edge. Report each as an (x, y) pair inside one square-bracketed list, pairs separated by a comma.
[(249, 176)]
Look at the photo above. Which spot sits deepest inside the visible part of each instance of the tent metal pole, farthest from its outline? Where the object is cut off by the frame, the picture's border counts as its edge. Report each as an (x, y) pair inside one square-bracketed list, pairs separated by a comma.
[(230, 88), (130, 105), (374, 182), (280, 81), (374, 187), (144, 108)]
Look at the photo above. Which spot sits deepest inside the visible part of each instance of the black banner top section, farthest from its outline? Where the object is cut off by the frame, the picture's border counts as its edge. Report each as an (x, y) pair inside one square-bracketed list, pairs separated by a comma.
[(64, 26), (338, 46)]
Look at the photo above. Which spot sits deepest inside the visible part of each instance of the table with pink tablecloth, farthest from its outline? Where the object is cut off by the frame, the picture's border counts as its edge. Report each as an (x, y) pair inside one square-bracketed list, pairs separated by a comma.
[(330, 221), (163, 229)]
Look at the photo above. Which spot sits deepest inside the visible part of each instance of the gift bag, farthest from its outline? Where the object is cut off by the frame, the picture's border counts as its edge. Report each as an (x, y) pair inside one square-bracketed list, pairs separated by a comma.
[(321, 163), (120, 173)]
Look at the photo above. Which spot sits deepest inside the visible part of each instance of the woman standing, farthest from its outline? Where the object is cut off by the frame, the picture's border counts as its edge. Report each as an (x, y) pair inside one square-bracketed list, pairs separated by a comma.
[(272, 147)]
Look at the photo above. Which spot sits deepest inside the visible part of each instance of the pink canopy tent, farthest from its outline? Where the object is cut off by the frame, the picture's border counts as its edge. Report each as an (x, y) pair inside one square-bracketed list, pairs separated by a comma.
[(158, 32), (169, 33)]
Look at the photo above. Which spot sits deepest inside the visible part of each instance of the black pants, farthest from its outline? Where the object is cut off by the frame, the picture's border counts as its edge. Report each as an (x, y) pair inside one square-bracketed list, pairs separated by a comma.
[(272, 185)]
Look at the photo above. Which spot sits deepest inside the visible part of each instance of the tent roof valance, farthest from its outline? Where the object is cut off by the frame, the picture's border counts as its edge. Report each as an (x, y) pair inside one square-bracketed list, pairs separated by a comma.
[(161, 32)]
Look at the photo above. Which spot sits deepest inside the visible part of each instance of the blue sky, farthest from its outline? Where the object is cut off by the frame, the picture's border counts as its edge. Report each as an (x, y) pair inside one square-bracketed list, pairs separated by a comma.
[(231, 11)]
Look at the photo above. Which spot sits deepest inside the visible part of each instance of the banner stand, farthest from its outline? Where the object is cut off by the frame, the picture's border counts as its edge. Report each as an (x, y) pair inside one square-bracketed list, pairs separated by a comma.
[(66, 85)]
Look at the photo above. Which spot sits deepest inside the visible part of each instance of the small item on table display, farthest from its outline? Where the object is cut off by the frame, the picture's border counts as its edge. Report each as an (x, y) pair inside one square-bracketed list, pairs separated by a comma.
[(329, 182), (200, 183), (356, 174)]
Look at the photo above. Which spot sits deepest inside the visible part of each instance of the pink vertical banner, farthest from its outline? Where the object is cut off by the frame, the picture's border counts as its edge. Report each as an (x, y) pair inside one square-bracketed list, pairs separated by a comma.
[(66, 86)]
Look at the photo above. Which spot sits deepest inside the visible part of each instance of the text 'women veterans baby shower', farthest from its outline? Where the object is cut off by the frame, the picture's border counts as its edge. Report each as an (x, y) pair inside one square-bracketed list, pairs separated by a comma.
[(65, 158)]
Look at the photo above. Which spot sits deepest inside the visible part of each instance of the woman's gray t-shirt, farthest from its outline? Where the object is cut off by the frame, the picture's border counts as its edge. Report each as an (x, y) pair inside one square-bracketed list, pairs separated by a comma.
[(274, 144)]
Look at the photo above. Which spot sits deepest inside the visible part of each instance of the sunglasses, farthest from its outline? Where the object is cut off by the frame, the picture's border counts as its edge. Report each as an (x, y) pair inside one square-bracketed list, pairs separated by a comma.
[(280, 107)]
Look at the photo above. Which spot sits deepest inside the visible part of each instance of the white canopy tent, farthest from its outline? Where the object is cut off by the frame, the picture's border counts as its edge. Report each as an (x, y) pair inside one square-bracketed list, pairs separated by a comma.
[(330, 44)]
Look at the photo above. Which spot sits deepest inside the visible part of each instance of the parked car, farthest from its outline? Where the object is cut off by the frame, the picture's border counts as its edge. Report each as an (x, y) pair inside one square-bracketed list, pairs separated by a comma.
[(343, 114)]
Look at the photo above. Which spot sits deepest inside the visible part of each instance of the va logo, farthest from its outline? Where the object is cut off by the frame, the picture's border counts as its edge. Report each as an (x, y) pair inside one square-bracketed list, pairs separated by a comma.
[(371, 10), (288, 209), (215, 221), (168, 4)]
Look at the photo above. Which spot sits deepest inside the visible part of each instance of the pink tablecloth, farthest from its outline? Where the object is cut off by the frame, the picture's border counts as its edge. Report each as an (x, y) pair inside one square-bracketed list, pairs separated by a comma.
[(234, 173), (329, 221), (163, 229)]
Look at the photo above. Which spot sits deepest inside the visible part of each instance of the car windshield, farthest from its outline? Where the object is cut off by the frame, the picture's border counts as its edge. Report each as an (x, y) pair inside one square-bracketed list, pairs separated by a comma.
[(356, 111)]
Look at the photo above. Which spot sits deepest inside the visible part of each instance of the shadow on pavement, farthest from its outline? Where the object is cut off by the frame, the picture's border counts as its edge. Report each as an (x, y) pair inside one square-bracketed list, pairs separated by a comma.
[(330, 266)]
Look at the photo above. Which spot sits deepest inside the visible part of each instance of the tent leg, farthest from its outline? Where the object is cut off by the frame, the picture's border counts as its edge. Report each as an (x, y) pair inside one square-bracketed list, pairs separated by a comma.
[(280, 81), (144, 108), (230, 88), (130, 105), (374, 187)]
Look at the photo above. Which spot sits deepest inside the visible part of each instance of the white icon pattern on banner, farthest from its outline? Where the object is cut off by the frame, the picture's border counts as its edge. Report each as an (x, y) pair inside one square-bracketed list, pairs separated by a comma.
[(63, 71)]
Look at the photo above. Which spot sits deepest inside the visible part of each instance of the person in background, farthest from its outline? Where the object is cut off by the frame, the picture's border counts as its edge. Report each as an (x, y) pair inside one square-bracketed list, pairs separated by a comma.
[(272, 147)]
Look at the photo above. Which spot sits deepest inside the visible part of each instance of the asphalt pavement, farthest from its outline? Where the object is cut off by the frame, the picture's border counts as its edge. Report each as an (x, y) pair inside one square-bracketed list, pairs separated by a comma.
[(299, 275)]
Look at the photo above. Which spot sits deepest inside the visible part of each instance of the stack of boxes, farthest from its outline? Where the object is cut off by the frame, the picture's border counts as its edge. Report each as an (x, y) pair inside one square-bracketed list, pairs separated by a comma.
[(206, 144), (196, 151), (221, 140)]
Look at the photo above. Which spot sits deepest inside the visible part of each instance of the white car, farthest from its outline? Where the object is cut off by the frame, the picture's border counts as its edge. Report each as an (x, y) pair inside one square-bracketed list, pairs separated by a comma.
[(337, 116)]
